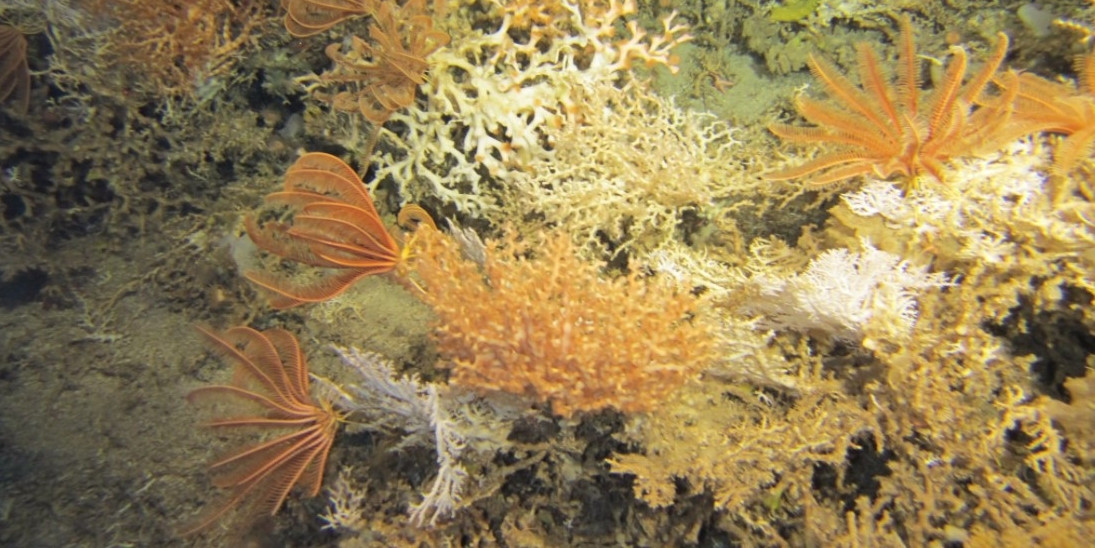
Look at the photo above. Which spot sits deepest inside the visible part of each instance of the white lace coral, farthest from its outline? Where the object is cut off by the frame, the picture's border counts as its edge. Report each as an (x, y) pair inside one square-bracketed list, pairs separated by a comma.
[(381, 401), (840, 291)]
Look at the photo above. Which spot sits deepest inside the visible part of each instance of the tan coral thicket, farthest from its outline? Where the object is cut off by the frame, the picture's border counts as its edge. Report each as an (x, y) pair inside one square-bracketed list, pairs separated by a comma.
[(743, 448), (535, 320), (177, 46), (635, 196)]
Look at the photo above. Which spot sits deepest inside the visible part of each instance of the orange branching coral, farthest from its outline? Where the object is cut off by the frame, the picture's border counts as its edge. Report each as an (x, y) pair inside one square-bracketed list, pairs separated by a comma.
[(177, 44), (539, 18), (524, 14), (271, 375), (305, 18), (334, 226), (14, 73), (883, 128), (1056, 107), (382, 75), (550, 327), (551, 19)]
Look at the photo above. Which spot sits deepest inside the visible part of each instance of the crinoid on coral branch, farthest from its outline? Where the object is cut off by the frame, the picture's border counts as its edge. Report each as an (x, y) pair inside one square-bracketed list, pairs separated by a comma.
[(532, 319), (271, 378), (14, 73), (883, 128), (1064, 108), (305, 18), (175, 47), (379, 76), (328, 222)]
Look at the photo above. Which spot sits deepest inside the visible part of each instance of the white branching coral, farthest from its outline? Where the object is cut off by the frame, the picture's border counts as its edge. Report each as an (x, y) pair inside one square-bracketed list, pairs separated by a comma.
[(346, 499), (988, 206), (690, 268), (1000, 216), (489, 99), (978, 191), (840, 291), (379, 400), (625, 167), (878, 198), (443, 498)]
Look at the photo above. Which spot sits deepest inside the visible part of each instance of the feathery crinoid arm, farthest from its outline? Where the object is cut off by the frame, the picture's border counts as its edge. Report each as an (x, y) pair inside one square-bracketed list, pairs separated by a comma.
[(271, 380)]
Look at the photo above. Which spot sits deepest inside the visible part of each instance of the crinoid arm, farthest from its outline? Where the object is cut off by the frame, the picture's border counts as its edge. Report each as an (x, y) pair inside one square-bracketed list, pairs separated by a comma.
[(14, 71), (882, 125), (271, 382), (306, 18), (327, 220)]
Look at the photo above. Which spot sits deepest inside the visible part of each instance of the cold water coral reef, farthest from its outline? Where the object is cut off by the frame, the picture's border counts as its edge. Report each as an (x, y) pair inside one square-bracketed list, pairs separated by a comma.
[(634, 322)]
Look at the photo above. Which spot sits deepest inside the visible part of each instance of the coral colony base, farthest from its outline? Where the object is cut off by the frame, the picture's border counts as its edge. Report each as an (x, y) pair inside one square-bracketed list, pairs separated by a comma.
[(789, 273)]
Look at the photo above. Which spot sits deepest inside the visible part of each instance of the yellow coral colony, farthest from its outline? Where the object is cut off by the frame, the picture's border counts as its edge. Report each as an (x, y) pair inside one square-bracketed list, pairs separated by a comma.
[(628, 197), (536, 321)]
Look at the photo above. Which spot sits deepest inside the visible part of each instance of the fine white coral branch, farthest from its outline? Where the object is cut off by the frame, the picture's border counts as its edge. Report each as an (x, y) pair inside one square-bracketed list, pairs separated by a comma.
[(841, 291), (380, 400)]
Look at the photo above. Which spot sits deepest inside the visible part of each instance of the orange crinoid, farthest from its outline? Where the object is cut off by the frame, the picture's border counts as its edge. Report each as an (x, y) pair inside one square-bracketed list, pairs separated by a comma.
[(379, 76), (883, 127), (1064, 108), (305, 18), (14, 74), (333, 226), (271, 375)]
